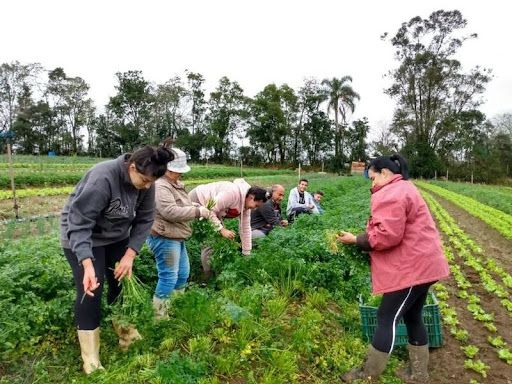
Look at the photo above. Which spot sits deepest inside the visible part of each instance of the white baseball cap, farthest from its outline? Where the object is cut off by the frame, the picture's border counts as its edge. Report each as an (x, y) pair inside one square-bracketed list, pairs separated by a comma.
[(179, 164)]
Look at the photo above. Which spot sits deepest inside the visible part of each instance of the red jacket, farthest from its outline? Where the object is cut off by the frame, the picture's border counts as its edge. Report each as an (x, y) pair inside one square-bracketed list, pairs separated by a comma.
[(405, 244)]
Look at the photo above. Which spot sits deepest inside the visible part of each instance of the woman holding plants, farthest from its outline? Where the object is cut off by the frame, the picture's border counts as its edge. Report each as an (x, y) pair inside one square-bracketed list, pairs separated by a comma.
[(105, 222), (231, 200), (406, 259), (174, 212)]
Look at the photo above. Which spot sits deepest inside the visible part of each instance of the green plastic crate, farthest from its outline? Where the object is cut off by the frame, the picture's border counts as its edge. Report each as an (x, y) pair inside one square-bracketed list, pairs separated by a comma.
[(431, 318)]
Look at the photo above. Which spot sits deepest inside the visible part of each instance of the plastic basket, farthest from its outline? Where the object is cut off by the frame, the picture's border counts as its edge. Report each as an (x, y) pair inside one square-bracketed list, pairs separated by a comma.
[(431, 318)]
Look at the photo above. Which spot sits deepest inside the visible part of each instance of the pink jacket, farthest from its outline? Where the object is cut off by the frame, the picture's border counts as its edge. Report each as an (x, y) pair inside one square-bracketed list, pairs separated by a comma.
[(228, 195), (406, 248)]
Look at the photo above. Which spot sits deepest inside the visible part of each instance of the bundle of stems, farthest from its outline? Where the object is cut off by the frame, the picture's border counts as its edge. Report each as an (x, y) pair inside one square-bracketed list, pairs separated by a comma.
[(204, 229), (133, 305)]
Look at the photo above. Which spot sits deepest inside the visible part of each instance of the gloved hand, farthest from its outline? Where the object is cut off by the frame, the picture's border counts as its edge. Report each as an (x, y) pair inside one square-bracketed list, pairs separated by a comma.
[(204, 212)]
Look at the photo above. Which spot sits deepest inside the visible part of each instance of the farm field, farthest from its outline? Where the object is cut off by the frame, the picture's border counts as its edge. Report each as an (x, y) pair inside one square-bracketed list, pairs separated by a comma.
[(498, 197), (42, 184), (287, 314)]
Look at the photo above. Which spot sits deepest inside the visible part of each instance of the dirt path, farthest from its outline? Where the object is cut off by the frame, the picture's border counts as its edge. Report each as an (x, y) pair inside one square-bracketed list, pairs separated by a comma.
[(447, 363)]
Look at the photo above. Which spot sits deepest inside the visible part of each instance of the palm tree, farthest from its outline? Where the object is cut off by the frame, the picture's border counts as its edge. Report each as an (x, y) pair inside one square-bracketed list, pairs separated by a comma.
[(341, 99)]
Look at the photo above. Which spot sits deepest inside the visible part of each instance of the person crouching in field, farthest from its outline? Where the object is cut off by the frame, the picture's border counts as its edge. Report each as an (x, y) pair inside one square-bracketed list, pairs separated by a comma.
[(406, 259), (174, 212), (105, 221), (317, 198), (300, 201), (232, 199), (266, 217)]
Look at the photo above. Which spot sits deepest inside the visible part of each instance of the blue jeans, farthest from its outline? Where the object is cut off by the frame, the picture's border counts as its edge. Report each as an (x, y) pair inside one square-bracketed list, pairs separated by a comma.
[(172, 264)]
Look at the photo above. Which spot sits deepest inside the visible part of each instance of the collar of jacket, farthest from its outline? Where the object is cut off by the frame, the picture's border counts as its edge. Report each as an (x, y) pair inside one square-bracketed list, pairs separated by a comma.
[(178, 184), (393, 179)]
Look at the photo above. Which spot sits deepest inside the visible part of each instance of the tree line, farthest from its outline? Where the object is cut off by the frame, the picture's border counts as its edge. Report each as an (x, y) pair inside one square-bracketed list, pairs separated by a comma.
[(436, 124)]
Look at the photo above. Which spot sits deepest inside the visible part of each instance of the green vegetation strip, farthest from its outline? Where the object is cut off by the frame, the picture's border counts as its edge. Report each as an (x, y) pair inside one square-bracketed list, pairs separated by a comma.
[(27, 177), (497, 219), (466, 249), (32, 192), (495, 196)]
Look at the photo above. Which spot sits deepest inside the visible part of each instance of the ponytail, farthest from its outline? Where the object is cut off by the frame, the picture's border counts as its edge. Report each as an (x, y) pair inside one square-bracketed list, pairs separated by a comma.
[(151, 161), (395, 163)]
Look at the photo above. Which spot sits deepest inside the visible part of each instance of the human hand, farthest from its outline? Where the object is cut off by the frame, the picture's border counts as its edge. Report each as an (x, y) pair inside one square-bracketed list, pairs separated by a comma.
[(204, 212), (346, 238), (90, 281), (284, 223), (124, 267), (227, 233), (311, 206)]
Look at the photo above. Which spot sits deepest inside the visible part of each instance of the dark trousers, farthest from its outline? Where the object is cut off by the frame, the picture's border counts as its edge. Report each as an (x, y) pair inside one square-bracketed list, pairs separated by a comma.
[(88, 311), (407, 303), (296, 212)]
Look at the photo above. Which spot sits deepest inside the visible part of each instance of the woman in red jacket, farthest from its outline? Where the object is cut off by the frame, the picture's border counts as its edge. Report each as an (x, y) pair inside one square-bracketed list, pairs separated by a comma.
[(406, 259)]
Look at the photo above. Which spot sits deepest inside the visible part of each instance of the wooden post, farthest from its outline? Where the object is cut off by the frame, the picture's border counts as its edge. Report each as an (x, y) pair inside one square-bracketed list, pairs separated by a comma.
[(471, 177), (435, 174), (299, 171), (241, 167), (11, 175), (322, 166), (446, 174)]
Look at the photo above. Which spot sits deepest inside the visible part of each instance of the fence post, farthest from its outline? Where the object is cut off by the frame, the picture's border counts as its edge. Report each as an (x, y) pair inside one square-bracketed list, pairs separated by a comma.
[(435, 174), (299, 171), (446, 174), (11, 175), (471, 177)]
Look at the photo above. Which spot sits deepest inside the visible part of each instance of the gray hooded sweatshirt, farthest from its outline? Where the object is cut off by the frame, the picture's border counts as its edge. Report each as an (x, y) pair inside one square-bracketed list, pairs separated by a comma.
[(106, 208)]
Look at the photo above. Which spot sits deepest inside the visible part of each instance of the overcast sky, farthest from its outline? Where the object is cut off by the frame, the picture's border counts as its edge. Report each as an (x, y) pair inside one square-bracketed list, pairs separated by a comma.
[(252, 42)]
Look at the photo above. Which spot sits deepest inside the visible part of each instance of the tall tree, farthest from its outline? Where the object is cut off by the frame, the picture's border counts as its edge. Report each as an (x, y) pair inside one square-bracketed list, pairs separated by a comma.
[(342, 98), (227, 108), (71, 105), (132, 106), (429, 86), (193, 138), (169, 115), (312, 133), (356, 140), (108, 143), (15, 78), (503, 123), (268, 123)]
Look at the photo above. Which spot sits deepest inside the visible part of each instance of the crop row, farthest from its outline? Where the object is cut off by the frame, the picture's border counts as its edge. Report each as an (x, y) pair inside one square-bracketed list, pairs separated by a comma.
[(497, 219), (465, 248), (27, 178), (498, 197)]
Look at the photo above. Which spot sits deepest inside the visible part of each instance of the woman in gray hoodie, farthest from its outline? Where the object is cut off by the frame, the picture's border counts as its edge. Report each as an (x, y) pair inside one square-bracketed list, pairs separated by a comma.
[(105, 221)]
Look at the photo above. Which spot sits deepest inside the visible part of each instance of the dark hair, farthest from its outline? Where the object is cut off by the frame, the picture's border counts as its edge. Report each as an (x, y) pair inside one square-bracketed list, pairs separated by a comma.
[(151, 161), (259, 194), (395, 163), (319, 193), (301, 180)]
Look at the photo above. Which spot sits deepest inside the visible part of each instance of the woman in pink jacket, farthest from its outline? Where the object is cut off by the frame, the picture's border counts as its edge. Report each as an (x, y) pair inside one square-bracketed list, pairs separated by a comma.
[(406, 259), (232, 199)]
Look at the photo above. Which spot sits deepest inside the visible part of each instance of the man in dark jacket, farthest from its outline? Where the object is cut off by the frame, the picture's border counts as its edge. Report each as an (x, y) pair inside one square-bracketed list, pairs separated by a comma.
[(266, 217)]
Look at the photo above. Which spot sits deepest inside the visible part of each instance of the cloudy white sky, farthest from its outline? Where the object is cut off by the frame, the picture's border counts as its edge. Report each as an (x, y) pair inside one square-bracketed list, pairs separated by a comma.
[(252, 42)]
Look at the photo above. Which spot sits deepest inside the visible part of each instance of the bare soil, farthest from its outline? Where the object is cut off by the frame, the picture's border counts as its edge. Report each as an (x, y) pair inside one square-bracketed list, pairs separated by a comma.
[(32, 206)]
